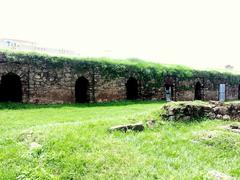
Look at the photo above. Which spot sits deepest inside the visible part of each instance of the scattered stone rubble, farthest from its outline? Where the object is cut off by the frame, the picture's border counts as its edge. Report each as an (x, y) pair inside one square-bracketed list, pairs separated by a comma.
[(194, 110)]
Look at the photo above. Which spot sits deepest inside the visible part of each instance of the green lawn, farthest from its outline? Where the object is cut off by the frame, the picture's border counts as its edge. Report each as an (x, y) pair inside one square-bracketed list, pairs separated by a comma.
[(75, 144)]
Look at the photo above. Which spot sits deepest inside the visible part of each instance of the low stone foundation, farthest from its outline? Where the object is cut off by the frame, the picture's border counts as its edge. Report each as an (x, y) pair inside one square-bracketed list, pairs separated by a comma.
[(194, 110)]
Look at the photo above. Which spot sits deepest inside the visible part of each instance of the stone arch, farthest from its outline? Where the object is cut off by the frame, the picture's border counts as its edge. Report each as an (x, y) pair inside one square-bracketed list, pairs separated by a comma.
[(198, 91), (132, 88), (11, 88), (82, 90)]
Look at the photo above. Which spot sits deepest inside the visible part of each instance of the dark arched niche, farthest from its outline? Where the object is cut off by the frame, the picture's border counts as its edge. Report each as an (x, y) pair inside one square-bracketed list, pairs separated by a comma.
[(239, 91), (11, 88), (132, 89), (82, 90), (198, 91)]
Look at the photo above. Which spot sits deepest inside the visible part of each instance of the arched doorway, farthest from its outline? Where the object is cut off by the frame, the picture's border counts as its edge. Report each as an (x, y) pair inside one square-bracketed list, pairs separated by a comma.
[(222, 92), (168, 92), (11, 88), (198, 91), (239, 91), (82, 90), (132, 88)]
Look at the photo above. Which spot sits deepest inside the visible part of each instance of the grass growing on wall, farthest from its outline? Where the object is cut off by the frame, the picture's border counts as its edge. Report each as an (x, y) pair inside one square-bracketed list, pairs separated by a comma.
[(114, 68)]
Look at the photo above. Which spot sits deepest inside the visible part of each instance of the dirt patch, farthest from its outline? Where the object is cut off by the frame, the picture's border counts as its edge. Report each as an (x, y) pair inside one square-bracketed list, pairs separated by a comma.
[(30, 136)]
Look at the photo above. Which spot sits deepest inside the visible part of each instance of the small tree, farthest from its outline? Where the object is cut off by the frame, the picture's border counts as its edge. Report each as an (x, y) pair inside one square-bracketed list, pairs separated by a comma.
[(229, 67)]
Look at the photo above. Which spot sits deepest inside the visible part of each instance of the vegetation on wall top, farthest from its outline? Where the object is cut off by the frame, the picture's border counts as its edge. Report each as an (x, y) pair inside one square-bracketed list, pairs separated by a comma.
[(113, 68)]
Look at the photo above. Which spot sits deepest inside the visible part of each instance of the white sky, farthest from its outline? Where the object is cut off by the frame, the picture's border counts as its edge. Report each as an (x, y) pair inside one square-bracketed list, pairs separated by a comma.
[(199, 33)]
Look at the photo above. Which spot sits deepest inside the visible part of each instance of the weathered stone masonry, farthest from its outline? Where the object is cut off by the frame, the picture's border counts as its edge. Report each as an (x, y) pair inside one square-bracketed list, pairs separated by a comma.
[(209, 89), (45, 82)]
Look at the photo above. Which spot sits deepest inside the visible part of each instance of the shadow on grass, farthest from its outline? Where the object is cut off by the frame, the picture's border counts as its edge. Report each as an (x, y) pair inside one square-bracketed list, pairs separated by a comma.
[(190, 122), (193, 120), (16, 106)]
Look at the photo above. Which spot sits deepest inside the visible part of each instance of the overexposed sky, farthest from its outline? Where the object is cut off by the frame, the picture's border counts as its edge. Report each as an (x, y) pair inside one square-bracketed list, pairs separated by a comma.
[(199, 33)]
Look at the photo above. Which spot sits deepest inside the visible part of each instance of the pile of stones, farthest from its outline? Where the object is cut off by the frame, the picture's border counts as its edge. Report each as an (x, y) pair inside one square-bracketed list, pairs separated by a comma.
[(194, 110)]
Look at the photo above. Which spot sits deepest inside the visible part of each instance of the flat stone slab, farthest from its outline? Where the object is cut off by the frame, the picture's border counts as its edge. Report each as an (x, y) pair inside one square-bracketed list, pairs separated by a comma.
[(234, 128), (216, 175), (127, 127), (35, 145), (151, 123)]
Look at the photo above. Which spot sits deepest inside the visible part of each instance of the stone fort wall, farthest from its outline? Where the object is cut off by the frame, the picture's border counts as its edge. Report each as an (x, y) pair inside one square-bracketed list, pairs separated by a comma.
[(44, 83)]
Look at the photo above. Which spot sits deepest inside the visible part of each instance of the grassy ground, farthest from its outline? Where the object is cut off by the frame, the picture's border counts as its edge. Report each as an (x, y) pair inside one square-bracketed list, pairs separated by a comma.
[(75, 144)]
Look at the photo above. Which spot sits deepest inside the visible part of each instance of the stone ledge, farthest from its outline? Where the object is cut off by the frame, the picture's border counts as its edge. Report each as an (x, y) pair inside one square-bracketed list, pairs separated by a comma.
[(194, 110)]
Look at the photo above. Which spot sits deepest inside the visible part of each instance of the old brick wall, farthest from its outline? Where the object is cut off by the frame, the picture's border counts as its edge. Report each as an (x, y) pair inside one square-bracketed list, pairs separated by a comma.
[(20, 69), (186, 89), (210, 89), (44, 83), (232, 92), (56, 85), (109, 90)]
